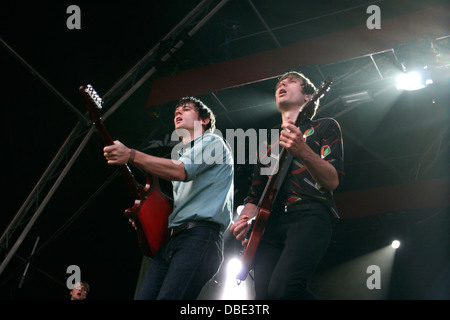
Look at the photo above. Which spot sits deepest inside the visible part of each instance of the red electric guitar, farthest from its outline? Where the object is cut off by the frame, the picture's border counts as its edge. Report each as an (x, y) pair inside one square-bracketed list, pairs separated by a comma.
[(152, 207), (270, 192)]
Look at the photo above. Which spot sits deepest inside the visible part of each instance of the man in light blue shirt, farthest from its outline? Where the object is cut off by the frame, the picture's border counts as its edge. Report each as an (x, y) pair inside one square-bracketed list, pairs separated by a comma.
[(202, 174), (207, 192)]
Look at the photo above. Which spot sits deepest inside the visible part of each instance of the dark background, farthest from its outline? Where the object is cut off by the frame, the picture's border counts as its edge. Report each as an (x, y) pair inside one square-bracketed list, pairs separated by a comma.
[(388, 140)]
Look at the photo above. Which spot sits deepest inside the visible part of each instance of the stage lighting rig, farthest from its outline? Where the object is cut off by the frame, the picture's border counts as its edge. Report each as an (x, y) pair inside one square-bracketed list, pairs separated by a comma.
[(417, 63)]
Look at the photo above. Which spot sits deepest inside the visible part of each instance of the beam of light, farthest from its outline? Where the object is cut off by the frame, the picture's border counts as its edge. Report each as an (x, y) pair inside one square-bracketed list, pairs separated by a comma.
[(233, 290), (349, 280)]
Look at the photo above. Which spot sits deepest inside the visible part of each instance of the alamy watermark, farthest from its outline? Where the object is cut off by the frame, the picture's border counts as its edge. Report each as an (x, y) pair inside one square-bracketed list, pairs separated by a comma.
[(75, 276), (374, 280), (374, 20), (238, 139), (74, 20)]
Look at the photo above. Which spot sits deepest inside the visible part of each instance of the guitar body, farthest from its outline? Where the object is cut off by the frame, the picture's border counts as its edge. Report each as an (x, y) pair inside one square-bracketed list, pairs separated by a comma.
[(253, 243), (150, 216)]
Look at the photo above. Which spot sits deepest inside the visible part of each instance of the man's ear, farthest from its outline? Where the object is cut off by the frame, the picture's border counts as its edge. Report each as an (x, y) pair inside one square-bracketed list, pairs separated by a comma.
[(205, 121)]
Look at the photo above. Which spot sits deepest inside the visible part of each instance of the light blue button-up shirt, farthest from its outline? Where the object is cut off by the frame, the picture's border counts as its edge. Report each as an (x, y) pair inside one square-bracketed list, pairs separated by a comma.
[(207, 194)]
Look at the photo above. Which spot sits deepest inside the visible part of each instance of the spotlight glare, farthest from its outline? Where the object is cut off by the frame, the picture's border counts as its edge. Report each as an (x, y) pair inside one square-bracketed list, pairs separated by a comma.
[(395, 244), (413, 80), (232, 289), (234, 267)]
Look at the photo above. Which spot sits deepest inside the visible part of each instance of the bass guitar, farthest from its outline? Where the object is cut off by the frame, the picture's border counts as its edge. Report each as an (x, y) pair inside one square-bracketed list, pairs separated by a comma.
[(259, 222), (151, 209)]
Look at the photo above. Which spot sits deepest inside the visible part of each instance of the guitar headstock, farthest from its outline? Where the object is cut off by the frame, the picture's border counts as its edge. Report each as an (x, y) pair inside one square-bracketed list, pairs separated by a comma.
[(324, 87), (93, 101)]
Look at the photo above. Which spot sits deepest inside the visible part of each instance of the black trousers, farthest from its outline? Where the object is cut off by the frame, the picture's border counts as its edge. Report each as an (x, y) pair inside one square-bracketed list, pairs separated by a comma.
[(289, 252)]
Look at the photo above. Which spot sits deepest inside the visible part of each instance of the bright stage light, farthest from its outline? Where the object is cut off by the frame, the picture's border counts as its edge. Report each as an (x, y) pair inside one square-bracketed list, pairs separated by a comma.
[(413, 80), (395, 244), (232, 289), (239, 209), (234, 267), (417, 62)]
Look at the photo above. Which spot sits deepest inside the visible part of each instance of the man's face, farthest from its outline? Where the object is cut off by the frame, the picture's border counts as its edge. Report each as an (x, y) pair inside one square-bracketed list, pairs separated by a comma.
[(289, 91), (185, 116), (78, 292)]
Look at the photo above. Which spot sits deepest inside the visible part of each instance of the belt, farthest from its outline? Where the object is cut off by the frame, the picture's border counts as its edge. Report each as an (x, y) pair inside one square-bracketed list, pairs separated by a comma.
[(189, 225), (304, 206)]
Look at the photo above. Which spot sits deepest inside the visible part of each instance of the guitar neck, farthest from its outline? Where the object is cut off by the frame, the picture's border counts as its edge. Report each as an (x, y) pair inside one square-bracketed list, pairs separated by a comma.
[(94, 104), (124, 169), (273, 185), (274, 182)]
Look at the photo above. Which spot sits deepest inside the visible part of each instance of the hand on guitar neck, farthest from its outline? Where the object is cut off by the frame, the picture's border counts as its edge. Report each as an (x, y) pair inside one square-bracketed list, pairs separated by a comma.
[(117, 153), (241, 227)]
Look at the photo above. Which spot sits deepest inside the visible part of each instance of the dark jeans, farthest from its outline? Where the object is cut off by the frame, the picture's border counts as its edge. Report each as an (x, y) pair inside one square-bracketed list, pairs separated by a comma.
[(183, 265), (289, 252)]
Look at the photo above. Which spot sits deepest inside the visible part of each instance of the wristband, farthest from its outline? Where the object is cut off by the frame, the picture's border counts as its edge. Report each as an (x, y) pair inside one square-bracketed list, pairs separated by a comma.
[(131, 159)]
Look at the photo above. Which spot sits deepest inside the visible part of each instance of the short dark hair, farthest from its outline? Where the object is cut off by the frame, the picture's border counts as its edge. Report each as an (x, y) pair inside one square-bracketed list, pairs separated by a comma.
[(307, 88), (204, 111)]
